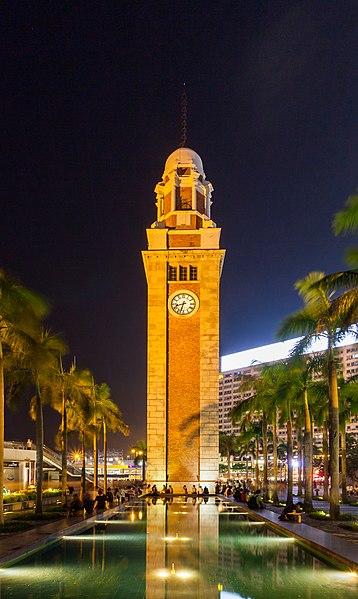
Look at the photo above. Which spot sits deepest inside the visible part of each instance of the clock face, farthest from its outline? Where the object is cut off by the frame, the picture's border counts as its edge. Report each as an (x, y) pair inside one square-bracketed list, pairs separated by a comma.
[(183, 303)]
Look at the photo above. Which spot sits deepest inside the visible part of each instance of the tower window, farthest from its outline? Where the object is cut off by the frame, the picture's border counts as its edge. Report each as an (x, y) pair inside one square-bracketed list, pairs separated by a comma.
[(172, 273), (183, 198), (183, 273), (183, 170), (193, 273)]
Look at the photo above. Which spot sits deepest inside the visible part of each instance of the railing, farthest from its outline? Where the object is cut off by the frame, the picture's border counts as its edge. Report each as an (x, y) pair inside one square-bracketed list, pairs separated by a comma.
[(51, 456)]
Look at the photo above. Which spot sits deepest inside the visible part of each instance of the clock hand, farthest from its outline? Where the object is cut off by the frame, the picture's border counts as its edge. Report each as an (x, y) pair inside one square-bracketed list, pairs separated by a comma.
[(182, 306)]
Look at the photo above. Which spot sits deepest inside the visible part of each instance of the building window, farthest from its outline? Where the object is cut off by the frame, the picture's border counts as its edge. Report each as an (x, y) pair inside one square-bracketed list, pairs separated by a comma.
[(183, 273), (193, 273), (172, 273)]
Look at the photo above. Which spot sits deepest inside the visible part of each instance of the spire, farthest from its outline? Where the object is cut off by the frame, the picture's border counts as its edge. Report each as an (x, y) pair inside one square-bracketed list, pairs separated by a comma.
[(183, 117)]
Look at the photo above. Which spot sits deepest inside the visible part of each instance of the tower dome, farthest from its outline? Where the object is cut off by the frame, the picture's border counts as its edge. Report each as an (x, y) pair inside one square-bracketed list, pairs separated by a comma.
[(184, 156)]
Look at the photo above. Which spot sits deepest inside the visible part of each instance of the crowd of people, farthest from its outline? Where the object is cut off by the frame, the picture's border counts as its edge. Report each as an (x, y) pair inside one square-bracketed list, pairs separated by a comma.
[(95, 500)]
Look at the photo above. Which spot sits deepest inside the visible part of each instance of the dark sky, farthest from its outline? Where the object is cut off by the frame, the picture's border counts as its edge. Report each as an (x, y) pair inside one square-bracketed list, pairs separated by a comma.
[(90, 112)]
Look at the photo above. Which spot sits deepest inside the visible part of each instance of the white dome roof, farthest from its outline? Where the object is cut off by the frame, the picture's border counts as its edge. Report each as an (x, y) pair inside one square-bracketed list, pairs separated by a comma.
[(185, 156)]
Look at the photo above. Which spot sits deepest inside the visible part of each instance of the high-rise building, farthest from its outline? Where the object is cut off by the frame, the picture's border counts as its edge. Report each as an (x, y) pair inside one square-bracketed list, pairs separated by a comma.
[(250, 362), (183, 265)]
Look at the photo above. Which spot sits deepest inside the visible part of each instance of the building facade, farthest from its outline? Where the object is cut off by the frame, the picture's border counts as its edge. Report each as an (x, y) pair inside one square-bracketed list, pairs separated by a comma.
[(249, 363), (183, 266)]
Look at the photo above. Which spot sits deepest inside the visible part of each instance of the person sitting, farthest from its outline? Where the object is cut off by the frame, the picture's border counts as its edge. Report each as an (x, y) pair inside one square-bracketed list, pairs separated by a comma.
[(237, 494), (206, 491), (194, 491), (76, 507), (292, 512), (170, 490), (256, 501)]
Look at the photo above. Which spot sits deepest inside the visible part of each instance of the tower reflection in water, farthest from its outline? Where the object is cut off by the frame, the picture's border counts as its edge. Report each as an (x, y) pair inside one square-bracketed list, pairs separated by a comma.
[(181, 548)]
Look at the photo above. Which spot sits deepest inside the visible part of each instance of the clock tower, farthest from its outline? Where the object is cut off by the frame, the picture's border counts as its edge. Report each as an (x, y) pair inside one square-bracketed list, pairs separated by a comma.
[(183, 265)]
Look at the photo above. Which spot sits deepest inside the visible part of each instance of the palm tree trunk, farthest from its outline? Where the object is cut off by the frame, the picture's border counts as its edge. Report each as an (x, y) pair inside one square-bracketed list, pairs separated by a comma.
[(299, 461), (265, 455), (228, 456), (2, 426), (83, 470), (64, 447), (257, 472), (289, 463), (39, 449), (275, 460), (95, 459), (143, 468), (344, 466), (333, 435), (325, 461), (308, 458), (105, 455)]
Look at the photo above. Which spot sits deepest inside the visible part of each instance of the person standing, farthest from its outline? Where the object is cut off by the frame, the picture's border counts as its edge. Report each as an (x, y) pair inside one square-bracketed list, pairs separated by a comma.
[(109, 497), (100, 503)]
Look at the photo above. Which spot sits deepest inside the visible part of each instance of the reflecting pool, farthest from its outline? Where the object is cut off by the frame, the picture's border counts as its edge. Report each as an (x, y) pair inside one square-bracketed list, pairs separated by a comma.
[(185, 548)]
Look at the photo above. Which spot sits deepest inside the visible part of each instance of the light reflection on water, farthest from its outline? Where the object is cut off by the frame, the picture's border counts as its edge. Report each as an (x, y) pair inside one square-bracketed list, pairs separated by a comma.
[(182, 549)]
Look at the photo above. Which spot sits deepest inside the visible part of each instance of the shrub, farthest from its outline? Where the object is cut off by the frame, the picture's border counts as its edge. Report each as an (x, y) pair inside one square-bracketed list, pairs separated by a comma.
[(319, 515), (352, 526), (44, 516), (14, 526), (348, 517), (51, 493), (26, 495), (15, 497)]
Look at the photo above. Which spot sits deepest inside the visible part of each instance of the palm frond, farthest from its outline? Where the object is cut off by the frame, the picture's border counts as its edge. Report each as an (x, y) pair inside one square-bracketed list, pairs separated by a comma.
[(346, 221), (302, 322), (351, 257)]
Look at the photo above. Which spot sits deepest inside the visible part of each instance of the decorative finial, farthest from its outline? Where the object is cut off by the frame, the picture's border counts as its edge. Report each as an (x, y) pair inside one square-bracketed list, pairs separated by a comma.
[(184, 117)]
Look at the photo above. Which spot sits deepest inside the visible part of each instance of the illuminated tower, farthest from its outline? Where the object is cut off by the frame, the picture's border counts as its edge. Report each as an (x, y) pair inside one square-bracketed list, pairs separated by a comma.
[(183, 265)]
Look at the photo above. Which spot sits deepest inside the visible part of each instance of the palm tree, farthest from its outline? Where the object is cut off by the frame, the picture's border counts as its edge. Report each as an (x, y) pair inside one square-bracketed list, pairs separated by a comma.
[(246, 449), (140, 451), (263, 405), (80, 417), (21, 310), (348, 407), (108, 416), (344, 284), (69, 391), (251, 430), (305, 391), (320, 319), (227, 447), (39, 364)]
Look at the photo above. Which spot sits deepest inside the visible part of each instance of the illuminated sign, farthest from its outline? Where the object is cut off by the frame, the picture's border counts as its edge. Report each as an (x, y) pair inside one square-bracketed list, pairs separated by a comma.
[(275, 351)]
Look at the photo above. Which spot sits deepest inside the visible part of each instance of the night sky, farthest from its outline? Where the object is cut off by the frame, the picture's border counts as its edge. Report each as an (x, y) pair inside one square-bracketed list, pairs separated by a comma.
[(90, 112)]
